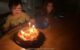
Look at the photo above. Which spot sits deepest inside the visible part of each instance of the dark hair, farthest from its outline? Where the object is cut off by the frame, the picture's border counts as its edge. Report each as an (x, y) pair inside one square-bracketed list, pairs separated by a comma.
[(45, 5), (14, 3)]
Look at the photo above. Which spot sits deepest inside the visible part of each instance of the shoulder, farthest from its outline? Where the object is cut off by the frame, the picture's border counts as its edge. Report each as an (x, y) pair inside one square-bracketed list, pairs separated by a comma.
[(25, 15), (9, 17)]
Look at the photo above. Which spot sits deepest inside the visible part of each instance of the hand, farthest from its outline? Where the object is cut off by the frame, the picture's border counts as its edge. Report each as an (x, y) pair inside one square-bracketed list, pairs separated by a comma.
[(33, 21)]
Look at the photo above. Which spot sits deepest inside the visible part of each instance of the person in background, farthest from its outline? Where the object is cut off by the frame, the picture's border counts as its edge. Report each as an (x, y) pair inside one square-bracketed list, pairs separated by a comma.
[(17, 15), (43, 17)]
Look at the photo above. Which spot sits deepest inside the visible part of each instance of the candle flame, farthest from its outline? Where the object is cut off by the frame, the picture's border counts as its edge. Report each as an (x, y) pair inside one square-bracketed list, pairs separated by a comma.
[(30, 33), (22, 32), (33, 26), (29, 23)]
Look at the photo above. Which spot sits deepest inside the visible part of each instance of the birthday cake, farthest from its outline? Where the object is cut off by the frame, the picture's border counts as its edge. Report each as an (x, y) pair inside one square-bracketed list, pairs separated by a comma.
[(29, 37), (28, 33)]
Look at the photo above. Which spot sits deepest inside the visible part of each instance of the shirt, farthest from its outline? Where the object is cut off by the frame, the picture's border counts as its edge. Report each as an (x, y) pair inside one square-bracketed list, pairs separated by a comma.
[(15, 20)]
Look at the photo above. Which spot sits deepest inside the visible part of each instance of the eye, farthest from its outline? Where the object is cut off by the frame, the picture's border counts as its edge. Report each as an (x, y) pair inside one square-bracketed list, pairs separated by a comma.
[(19, 8)]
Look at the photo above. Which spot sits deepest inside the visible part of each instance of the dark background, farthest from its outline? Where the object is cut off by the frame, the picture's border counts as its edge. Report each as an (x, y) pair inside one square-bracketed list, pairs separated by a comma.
[(69, 9)]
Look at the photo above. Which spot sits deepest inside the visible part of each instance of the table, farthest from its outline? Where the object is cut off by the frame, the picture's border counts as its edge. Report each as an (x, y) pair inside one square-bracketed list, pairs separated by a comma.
[(6, 43), (58, 36)]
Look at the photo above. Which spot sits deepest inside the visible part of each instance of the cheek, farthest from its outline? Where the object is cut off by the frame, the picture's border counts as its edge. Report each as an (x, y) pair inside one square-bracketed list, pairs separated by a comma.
[(13, 11), (50, 8)]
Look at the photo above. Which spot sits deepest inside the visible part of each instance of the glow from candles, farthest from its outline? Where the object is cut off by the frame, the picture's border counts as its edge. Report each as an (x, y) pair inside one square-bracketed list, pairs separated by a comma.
[(22, 32), (30, 33), (22, 35), (29, 24), (33, 26)]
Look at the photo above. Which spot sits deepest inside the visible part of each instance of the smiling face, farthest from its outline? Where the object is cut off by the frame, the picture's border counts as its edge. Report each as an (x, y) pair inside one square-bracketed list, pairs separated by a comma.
[(16, 10), (49, 7)]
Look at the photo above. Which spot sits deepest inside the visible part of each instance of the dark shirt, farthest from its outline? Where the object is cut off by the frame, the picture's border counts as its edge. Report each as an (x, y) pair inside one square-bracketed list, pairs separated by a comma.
[(42, 20)]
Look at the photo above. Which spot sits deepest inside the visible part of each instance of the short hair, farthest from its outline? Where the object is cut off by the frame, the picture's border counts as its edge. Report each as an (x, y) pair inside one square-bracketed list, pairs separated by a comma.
[(14, 3)]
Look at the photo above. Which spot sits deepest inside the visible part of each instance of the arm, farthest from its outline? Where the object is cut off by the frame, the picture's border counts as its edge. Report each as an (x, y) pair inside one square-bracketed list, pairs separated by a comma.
[(7, 24)]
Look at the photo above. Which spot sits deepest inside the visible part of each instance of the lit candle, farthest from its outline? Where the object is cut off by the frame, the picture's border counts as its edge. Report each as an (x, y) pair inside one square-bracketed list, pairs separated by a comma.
[(29, 33), (29, 24), (33, 27)]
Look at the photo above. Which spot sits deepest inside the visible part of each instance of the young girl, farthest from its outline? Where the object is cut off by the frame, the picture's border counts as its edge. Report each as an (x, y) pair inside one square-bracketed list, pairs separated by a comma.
[(43, 17)]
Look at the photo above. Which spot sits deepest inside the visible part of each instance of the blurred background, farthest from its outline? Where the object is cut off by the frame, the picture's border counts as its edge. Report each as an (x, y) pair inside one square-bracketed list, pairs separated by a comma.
[(67, 12), (33, 6)]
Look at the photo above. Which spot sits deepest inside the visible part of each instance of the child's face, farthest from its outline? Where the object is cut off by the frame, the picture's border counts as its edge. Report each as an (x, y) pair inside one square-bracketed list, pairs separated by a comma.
[(49, 7), (16, 10)]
